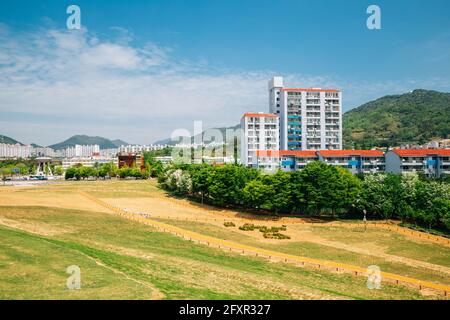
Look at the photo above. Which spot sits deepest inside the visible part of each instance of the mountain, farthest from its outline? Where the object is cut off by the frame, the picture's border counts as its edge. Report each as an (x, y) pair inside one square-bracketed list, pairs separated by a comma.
[(85, 140), (8, 140), (118, 143), (412, 118), (210, 132)]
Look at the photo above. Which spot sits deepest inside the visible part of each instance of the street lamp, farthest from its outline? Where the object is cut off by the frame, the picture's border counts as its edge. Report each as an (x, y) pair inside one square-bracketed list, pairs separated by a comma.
[(365, 220)]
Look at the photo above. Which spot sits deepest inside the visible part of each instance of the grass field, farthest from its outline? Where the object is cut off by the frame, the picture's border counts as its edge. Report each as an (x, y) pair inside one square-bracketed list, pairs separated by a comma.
[(45, 229)]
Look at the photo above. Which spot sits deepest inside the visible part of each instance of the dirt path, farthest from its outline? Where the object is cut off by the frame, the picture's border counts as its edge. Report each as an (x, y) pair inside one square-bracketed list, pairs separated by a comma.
[(166, 207), (224, 244)]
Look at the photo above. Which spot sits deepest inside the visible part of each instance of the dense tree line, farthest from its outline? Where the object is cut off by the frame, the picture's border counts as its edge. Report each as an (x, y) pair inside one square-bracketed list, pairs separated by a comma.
[(106, 170), (319, 189)]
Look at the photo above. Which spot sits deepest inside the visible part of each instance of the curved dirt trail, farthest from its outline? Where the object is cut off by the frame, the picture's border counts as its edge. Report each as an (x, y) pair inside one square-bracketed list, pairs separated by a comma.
[(223, 244)]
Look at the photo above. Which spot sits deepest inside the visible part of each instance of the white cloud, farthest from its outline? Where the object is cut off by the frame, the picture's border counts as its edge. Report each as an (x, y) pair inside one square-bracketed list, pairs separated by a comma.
[(140, 93)]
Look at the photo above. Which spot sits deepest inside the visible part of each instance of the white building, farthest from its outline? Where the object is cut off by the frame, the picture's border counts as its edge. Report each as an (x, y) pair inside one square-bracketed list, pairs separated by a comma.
[(82, 151), (86, 161), (109, 153), (15, 151), (431, 162), (140, 148), (44, 152), (310, 118), (260, 131)]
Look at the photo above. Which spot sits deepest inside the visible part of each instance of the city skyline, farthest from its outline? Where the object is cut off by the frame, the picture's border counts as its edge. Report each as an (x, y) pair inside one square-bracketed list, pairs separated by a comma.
[(163, 65)]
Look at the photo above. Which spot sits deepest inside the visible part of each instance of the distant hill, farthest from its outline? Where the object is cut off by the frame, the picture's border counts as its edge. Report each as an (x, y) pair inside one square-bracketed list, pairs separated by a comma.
[(412, 118), (8, 140), (119, 142), (169, 142), (86, 140)]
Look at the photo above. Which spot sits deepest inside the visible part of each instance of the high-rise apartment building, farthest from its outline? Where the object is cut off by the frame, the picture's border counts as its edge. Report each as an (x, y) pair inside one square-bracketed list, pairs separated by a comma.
[(310, 118), (259, 132)]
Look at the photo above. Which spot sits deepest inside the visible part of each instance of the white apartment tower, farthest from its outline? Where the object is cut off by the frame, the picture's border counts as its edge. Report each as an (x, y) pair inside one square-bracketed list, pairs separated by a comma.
[(260, 131), (310, 118)]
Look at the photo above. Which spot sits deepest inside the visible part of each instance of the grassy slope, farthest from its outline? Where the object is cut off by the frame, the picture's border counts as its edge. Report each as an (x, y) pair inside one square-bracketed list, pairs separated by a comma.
[(396, 244), (122, 259)]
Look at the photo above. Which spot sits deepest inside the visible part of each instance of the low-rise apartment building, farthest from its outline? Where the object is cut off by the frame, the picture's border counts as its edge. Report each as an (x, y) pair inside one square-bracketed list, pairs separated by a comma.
[(357, 161), (431, 162)]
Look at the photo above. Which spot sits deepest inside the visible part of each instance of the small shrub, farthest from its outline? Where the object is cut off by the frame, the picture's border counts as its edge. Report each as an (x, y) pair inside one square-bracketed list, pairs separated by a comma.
[(275, 235), (229, 224)]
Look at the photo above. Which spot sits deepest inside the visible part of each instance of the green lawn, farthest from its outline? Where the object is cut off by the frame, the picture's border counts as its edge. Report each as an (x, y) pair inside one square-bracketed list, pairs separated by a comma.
[(120, 259)]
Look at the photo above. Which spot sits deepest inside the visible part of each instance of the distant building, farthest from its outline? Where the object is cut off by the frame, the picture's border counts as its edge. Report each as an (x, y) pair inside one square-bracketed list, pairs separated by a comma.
[(140, 148), (43, 152), (260, 131), (109, 153), (431, 162), (310, 118), (86, 161), (82, 151), (15, 151), (130, 160)]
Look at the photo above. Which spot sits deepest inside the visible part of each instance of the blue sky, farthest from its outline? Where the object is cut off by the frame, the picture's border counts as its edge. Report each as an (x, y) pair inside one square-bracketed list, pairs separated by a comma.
[(140, 69)]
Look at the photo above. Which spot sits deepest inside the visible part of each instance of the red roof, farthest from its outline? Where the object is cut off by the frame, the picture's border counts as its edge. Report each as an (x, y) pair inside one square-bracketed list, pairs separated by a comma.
[(421, 152), (309, 90), (267, 153), (348, 153), (280, 153), (299, 153), (259, 114)]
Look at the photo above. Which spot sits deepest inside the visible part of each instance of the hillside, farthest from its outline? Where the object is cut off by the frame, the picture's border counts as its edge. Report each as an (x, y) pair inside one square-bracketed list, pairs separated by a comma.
[(85, 140), (119, 142), (412, 118), (8, 140)]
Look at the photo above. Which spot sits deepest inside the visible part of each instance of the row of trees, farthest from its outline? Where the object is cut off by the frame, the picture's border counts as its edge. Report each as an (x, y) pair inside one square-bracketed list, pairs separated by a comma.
[(106, 170), (319, 189)]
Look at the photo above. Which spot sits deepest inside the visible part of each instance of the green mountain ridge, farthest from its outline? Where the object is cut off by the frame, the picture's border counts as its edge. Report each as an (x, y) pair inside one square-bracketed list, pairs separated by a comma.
[(223, 130), (104, 143), (412, 118), (8, 140)]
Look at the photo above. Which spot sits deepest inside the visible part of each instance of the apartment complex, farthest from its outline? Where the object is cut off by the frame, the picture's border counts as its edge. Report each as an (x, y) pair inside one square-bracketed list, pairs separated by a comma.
[(260, 131), (15, 151), (82, 151), (431, 162), (140, 148), (310, 118)]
